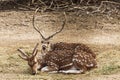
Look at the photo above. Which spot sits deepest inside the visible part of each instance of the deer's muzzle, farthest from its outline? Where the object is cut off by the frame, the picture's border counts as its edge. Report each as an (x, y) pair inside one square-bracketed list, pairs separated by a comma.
[(43, 47)]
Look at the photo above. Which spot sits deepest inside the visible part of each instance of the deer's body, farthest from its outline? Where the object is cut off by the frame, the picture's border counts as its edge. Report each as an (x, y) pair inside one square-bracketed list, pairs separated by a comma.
[(65, 59), (58, 59), (72, 47)]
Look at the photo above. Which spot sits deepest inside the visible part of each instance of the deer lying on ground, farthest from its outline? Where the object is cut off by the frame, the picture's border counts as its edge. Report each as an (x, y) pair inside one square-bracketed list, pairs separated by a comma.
[(59, 60), (60, 57), (65, 60)]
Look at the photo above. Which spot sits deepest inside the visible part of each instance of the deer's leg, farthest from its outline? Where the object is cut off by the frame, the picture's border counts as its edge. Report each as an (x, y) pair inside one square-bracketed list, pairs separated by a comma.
[(51, 66), (79, 64), (66, 67), (91, 63)]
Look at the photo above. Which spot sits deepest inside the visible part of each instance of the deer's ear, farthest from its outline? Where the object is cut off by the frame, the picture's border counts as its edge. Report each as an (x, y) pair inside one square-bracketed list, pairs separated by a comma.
[(48, 42)]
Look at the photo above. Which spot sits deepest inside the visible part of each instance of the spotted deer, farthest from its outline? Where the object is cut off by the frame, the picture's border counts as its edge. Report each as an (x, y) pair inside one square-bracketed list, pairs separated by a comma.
[(67, 61), (60, 57), (83, 58), (59, 61), (33, 60)]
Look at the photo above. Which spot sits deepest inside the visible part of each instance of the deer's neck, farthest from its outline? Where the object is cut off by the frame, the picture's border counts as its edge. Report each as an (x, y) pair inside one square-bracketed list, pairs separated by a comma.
[(41, 61), (44, 52)]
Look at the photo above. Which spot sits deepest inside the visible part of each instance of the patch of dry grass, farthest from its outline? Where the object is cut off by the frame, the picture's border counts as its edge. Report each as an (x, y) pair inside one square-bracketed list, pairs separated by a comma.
[(13, 66), (108, 63)]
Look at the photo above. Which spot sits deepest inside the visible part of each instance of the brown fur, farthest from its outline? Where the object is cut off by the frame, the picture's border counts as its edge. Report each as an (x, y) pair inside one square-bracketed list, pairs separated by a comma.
[(58, 58), (72, 47), (64, 59)]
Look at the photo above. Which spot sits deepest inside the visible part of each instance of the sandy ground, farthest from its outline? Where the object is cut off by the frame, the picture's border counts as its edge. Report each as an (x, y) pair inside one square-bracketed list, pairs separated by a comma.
[(16, 31)]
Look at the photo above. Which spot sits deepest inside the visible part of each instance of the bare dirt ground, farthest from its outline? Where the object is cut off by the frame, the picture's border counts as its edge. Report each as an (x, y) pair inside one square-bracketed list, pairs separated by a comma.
[(96, 31)]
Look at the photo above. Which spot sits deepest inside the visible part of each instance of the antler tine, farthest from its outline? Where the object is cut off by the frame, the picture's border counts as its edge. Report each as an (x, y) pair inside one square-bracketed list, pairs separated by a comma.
[(33, 22), (23, 53), (34, 50), (58, 30), (25, 58)]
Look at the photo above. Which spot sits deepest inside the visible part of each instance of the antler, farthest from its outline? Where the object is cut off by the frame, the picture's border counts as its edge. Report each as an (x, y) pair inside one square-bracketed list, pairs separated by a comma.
[(33, 22), (35, 50), (24, 55), (22, 52), (58, 30), (52, 34)]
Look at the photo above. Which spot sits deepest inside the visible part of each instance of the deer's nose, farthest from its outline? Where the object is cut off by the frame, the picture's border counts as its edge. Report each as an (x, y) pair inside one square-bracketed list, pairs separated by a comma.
[(43, 47)]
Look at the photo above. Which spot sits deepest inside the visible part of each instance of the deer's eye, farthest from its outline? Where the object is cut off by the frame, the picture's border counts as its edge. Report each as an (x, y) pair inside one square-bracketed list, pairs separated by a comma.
[(48, 42)]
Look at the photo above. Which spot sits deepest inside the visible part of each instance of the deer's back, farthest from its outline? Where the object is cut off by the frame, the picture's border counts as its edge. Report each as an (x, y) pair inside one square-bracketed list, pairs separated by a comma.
[(72, 47)]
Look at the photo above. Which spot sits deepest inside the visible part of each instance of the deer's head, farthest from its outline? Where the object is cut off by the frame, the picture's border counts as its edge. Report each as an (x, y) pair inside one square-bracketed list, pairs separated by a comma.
[(45, 43), (31, 59)]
